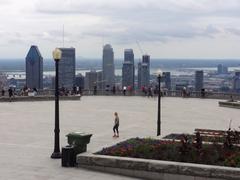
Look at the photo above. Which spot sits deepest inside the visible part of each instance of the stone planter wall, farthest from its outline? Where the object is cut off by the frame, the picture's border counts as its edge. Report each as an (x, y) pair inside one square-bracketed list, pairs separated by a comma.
[(156, 170), (229, 104)]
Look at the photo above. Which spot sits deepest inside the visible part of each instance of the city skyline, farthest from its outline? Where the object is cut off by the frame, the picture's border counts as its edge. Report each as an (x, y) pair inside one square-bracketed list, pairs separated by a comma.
[(164, 29)]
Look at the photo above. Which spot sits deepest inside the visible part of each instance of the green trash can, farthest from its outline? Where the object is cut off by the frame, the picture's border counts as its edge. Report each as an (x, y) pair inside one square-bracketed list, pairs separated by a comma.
[(79, 141)]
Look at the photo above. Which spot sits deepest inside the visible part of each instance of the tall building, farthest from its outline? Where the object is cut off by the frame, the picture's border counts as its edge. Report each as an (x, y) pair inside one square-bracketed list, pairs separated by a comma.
[(79, 81), (127, 75), (221, 69), (167, 80), (100, 82), (108, 70), (67, 68), (93, 78), (34, 68), (128, 69), (144, 72), (236, 82), (90, 80), (139, 75), (198, 80)]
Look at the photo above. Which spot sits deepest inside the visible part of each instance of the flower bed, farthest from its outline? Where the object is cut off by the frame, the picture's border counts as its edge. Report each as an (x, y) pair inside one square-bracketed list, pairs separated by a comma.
[(184, 151)]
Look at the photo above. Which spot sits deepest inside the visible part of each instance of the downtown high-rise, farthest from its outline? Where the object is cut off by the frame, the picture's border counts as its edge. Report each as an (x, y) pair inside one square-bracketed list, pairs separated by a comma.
[(67, 68), (108, 69), (128, 69), (144, 72), (34, 68), (199, 80)]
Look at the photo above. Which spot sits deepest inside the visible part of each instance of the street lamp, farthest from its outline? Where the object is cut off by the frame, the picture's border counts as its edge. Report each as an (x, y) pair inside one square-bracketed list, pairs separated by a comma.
[(159, 76), (57, 54)]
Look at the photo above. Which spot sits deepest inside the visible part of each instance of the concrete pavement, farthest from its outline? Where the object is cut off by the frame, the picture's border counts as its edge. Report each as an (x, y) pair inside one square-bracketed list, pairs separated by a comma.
[(26, 129)]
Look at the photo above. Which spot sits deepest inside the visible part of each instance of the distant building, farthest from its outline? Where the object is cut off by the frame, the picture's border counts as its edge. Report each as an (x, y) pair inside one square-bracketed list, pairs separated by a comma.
[(79, 81), (128, 69), (236, 82), (167, 80), (108, 69), (67, 68), (139, 75), (198, 80), (144, 72), (90, 80), (225, 70), (3, 81), (34, 68), (181, 86), (222, 69), (100, 83), (219, 68), (93, 78), (127, 75)]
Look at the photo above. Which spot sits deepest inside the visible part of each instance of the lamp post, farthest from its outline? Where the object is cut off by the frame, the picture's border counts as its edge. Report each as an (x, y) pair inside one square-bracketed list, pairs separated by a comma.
[(57, 54), (159, 76)]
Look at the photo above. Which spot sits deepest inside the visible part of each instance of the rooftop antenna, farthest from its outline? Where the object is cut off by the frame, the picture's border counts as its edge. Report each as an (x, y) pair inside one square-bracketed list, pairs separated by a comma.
[(63, 35)]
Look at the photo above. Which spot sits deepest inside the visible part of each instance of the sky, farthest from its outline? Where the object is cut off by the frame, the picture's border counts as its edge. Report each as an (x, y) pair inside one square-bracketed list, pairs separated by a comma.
[(162, 28)]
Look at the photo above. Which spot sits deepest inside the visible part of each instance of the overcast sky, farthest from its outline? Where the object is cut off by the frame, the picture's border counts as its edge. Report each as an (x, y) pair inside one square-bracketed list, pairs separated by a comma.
[(163, 28)]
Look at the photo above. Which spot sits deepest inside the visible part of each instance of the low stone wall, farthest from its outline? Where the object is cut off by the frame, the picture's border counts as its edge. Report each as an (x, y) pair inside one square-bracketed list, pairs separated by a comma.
[(229, 104), (37, 98), (156, 170)]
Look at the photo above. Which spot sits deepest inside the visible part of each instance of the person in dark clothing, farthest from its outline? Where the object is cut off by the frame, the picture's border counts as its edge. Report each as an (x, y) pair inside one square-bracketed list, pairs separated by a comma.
[(95, 90), (10, 94), (116, 125), (3, 92), (114, 90)]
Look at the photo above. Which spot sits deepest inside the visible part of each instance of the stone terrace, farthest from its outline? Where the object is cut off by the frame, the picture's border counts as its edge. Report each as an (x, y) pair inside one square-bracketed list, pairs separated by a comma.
[(26, 129)]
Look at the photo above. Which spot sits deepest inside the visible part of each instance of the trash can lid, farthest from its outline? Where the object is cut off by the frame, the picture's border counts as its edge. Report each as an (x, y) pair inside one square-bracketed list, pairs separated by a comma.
[(78, 134)]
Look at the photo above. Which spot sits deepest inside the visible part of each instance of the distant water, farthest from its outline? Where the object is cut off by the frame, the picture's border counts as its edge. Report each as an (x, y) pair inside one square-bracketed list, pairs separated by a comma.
[(118, 72), (175, 66)]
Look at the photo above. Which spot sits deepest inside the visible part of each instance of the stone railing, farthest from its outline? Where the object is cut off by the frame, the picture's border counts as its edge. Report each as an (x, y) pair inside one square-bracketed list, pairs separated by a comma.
[(191, 94)]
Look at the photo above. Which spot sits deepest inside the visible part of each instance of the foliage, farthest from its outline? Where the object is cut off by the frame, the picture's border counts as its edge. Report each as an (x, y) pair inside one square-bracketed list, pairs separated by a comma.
[(183, 151)]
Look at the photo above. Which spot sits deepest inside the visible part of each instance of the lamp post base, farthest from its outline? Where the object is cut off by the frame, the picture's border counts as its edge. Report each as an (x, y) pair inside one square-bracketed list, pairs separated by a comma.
[(56, 155)]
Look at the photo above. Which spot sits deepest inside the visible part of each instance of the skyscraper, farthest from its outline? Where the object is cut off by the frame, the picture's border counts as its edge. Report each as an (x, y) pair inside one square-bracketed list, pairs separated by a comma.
[(108, 74), (34, 68), (79, 81), (127, 74), (198, 80), (236, 82), (167, 80), (93, 78), (128, 69), (221, 69), (144, 72), (67, 68), (90, 80)]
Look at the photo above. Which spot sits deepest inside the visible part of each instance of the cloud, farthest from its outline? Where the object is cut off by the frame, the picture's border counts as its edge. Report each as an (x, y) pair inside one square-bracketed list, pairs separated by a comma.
[(146, 20), (121, 22)]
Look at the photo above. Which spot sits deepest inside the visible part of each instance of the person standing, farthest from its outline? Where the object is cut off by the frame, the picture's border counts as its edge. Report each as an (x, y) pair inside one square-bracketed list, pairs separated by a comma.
[(116, 125), (3, 92), (10, 94)]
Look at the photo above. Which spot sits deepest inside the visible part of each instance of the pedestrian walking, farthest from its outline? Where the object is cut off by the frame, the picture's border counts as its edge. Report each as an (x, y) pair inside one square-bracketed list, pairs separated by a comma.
[(116, 125)]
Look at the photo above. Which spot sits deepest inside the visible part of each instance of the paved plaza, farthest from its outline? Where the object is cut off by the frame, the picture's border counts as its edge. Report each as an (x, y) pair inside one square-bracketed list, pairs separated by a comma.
[(26, 129)]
